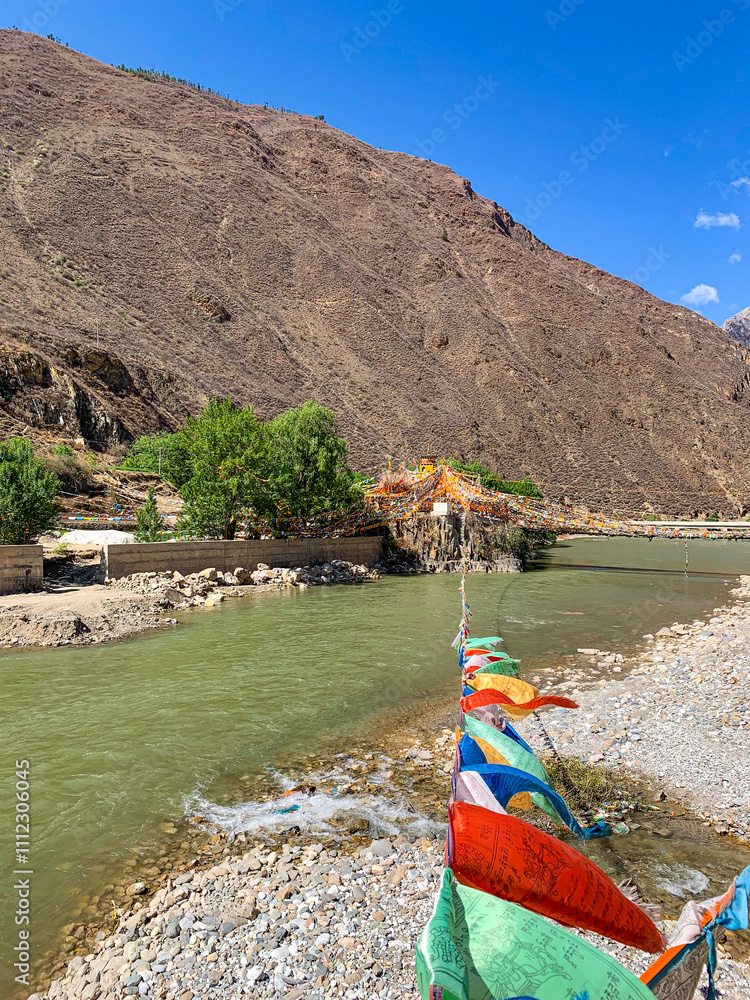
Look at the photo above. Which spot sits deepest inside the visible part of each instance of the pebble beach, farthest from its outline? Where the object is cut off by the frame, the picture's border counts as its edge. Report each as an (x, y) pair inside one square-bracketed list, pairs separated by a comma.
[(675, 713)]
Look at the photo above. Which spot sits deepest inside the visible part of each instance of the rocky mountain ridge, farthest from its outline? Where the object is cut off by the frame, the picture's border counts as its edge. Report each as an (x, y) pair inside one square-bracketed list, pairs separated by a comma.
[(738, 327), (238, 250)]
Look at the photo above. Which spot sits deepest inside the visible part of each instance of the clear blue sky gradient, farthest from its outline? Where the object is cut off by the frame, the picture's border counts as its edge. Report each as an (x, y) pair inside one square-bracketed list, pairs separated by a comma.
[(606, 128)]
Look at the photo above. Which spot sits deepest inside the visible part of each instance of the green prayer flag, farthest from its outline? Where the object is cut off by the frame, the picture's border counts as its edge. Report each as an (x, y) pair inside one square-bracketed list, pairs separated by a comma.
[(506, 666), (478, 947)]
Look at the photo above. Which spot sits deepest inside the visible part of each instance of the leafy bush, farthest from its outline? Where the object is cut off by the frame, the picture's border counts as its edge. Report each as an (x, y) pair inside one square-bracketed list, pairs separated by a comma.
[(165, 454), (62, 449), (294, 466), (227, 452), (27, 494), (232, 467), (307, 469)]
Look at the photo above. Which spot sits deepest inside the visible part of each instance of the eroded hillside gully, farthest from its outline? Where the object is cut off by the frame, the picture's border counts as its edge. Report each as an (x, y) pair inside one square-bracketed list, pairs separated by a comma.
[(288, 874)]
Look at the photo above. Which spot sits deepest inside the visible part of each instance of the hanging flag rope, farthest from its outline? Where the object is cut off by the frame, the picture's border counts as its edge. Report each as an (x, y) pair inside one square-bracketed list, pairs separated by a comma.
[(486, 939)]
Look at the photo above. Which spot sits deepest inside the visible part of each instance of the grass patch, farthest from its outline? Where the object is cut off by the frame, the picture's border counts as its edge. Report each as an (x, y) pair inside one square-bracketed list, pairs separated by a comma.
[(590, 786)]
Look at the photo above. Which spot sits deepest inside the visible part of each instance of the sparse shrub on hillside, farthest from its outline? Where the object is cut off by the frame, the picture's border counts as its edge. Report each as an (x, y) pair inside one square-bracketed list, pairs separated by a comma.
[(62, 449), (74, 475), (28, 490), (155, 75)]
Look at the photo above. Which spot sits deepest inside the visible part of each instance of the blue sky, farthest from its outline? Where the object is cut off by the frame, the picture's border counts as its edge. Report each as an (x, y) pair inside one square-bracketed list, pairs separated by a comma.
[(619, 133)]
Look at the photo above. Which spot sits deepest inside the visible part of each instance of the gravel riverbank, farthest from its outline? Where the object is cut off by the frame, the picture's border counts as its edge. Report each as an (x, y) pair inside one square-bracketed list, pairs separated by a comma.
[(676, 714), (274, 913), (289, 922)]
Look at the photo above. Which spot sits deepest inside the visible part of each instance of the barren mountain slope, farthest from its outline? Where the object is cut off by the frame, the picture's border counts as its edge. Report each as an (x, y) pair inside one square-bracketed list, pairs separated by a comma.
[(232, 249)]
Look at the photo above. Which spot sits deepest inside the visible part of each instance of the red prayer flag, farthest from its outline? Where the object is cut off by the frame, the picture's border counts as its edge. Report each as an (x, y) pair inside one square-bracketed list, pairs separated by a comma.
[(509, 858)]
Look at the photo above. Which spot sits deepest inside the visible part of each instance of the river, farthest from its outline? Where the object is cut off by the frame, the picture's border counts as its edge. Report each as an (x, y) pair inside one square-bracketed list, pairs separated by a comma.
[(120, 738)]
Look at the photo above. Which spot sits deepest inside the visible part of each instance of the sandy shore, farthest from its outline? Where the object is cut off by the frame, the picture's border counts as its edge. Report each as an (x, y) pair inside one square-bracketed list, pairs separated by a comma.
[(70, 614)]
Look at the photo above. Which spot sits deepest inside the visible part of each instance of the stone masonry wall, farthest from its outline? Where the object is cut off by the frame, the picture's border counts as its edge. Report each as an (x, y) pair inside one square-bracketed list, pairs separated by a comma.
[(191, 557), (21, 568)]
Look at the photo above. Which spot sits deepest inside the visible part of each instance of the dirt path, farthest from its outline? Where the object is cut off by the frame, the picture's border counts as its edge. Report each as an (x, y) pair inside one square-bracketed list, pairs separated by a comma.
[(72, 613)]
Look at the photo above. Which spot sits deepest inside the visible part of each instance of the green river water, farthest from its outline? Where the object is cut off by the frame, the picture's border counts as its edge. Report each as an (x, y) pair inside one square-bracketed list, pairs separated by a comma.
[(124, 737)]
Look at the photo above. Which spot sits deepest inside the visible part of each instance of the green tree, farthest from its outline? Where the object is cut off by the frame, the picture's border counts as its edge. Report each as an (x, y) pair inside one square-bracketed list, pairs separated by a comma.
[(164, 454), (27, 494), (228, 457), (307, 468), (148, 520)]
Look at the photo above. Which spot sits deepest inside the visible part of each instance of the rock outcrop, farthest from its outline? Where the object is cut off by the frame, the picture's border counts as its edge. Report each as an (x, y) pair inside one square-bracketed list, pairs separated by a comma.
[(738, 327), (433, 545)]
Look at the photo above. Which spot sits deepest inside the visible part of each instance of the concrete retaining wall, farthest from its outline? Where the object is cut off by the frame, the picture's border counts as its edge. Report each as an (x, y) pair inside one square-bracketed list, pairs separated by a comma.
[(191, 557), (21, 568)]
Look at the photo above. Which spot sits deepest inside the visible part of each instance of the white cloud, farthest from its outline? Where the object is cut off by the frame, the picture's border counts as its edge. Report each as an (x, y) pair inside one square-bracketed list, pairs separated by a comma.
[(741, 182), (701, 295), (736, 257), (706, 221)]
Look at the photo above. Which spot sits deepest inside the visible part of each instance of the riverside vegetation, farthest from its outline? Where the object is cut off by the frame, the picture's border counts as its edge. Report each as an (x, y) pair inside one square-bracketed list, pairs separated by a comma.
[(232, 468)]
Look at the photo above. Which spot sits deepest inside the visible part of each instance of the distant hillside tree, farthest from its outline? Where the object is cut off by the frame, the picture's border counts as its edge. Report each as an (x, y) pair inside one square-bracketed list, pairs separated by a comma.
[(491, 480), (227, 448), (148, 521), (165, 454), (28, 490)]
